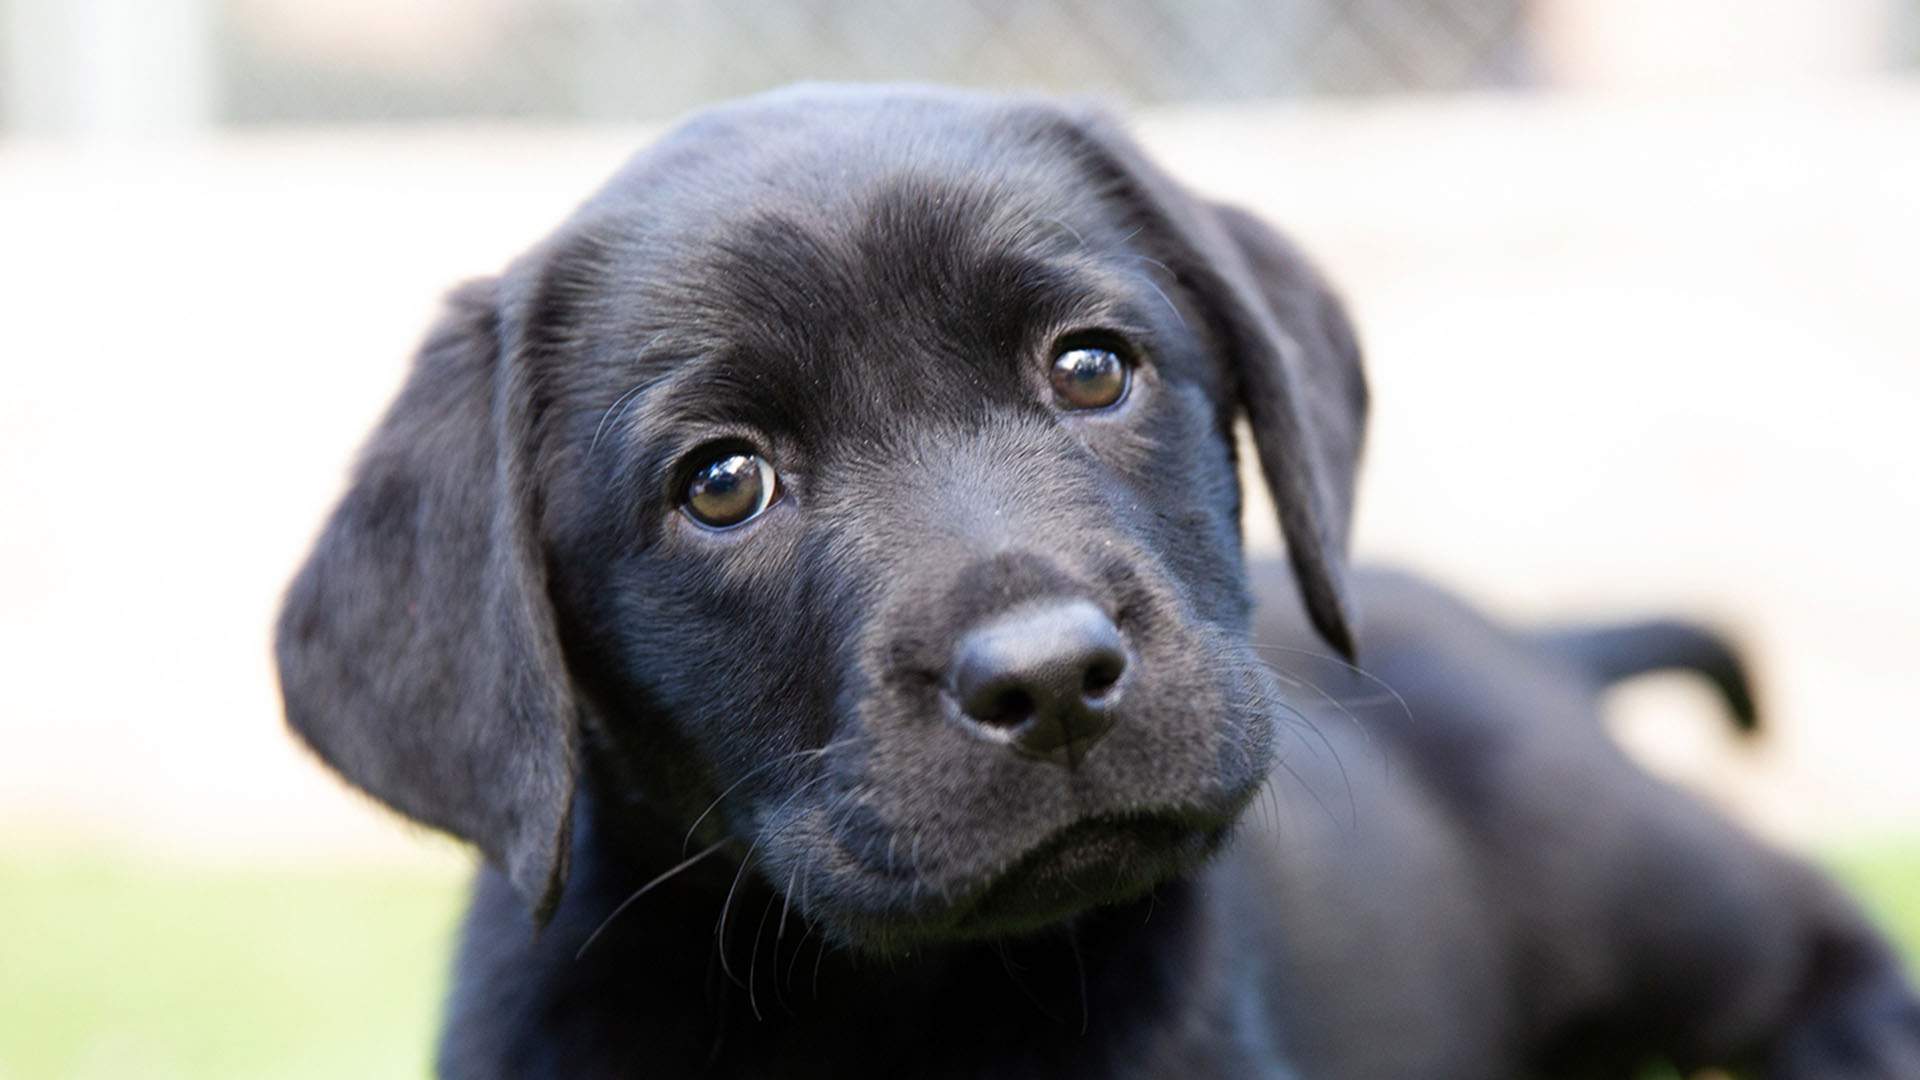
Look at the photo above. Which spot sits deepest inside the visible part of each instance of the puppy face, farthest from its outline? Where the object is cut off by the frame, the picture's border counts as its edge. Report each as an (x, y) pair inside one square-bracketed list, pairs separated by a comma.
[(854, 476)]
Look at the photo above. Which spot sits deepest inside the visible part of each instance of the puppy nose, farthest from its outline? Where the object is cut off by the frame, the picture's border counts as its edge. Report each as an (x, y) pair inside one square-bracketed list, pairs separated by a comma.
[(1042, 678)]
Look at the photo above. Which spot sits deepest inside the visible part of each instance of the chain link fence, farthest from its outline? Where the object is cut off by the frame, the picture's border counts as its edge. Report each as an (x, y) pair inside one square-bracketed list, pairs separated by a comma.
[(252, 62), (606, 60), (194, 63)]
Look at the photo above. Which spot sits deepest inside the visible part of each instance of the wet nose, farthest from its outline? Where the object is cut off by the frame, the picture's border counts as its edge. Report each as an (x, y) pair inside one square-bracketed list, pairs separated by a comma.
[(1042, 678)]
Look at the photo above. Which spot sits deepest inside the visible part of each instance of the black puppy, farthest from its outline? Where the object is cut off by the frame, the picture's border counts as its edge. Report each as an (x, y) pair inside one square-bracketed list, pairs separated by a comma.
[(813, 578)]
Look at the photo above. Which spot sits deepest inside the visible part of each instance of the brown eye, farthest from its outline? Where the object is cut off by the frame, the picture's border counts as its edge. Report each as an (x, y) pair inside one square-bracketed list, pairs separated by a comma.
[(730, 490), (1089, 378)]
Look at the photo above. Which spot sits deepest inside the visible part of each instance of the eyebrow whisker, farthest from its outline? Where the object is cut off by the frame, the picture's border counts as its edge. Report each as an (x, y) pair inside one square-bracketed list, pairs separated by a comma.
[(601, 428), (1171, 306)]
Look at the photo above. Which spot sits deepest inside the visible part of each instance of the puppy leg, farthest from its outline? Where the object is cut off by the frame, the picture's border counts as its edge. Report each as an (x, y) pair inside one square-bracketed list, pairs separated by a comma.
[(1640, 920), (1729, 953), (1856, 1016)]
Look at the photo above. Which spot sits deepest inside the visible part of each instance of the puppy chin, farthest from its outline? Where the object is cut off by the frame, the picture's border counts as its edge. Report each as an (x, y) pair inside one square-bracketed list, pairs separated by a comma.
[(1095, 862), (1090, 864)]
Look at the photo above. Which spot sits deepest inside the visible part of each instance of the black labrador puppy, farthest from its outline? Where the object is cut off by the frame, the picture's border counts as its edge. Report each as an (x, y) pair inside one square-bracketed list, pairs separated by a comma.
[(813, 578)]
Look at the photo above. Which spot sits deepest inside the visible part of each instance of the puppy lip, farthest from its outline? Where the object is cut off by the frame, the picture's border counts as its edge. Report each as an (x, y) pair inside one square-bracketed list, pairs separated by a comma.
[(1093, 861)]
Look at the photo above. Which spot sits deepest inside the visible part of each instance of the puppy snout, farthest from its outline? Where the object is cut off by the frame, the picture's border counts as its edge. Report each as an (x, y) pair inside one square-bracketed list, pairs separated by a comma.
[(1042, 678)]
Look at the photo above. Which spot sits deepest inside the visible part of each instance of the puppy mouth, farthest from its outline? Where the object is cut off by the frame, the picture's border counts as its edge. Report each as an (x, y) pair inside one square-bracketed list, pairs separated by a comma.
[(1095, 861), (1091, 863)]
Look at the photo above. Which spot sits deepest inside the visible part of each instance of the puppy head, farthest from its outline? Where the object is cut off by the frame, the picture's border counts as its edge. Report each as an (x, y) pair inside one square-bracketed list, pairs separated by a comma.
[(854, 475)]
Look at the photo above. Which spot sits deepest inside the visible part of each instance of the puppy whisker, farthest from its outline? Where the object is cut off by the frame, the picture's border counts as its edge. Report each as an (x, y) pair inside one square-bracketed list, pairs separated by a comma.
[(1064, 227), (1302, 721), (1270, 801), (1151, 261), (1309, 789), (1354, 668), (753, 961), (785, 905), (726, 906), (1294, 678), (623, 399), (1297, 718), (720, 929), (816, 752), (817, 958), (1013, 971), (799, 948), (643, 890), (1157, 291)]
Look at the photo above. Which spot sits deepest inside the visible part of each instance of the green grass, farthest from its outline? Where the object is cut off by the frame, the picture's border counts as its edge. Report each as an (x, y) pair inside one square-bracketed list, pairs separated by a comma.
[(111, 967), (117, 968), (1886, 878)]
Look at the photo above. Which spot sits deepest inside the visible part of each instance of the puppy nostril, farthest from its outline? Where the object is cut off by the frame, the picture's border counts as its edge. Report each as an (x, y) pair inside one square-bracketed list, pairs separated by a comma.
[(1101, 676), (1006, 708)]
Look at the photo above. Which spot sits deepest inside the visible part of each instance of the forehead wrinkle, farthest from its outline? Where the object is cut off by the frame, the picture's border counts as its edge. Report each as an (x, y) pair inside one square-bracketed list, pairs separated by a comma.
[(710, 391), (939, 224), (790, 292), (902, 235), (853, 313), (765, 281)]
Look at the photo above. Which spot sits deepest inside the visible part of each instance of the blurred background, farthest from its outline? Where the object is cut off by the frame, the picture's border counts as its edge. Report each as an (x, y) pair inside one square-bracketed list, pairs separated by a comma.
[(1636, 278)]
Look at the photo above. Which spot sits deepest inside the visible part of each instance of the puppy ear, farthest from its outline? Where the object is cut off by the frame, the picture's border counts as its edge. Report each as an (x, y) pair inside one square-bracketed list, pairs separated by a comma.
[(417, 647), (1305, 393), (1292, 351)]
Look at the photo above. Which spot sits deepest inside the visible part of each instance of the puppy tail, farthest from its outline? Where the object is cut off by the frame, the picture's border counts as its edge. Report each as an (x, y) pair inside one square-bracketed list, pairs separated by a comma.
[(1612, 652)]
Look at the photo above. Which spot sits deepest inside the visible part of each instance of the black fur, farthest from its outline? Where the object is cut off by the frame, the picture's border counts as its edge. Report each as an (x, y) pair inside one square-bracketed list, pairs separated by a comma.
[(735, 823)]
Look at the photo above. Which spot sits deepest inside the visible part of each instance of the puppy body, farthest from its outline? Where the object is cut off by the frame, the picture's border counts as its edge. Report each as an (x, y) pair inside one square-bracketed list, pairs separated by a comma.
[(712, 743), (1455, 877), (1611, 919)]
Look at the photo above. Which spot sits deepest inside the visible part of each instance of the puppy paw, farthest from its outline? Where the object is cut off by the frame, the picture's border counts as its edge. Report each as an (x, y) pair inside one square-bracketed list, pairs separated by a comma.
[(1868, 1033)]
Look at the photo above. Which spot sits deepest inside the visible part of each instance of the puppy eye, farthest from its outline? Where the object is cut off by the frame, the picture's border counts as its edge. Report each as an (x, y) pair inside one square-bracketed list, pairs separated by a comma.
[(1090, 377), (732, 489)]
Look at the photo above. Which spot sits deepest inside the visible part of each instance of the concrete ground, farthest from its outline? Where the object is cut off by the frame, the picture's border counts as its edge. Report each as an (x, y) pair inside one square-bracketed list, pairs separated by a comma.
[(1645, 353)]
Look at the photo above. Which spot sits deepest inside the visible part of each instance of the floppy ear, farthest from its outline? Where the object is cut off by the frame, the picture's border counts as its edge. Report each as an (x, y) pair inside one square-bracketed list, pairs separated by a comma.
[(417, 647), (1293, 353), (1305, 393)]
